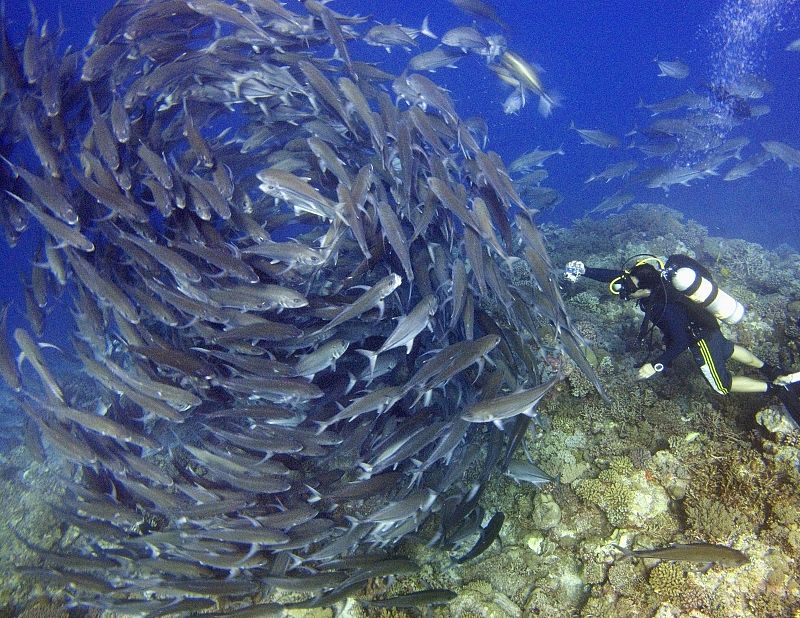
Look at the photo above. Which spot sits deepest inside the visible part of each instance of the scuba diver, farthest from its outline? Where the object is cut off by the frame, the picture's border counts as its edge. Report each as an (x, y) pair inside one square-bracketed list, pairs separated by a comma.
[(737, 106), (680, 299)]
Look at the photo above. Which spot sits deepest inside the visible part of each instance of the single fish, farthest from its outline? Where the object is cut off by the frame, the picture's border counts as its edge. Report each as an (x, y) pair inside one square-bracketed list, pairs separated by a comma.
[(534, 158), (614, 170), (8, 369), (437, 58), (489, 534), (672, 68), (466, 38), (29, 350), (320, 359), (507, 406), (479, 8), (420, 598), (705, 553), (157, 166), (528, 472), (790, 156), (370, 299), (595, 137)]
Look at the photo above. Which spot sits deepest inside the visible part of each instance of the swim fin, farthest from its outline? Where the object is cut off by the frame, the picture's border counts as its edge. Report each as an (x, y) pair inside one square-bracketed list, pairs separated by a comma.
[(771, 371), (790, 398)]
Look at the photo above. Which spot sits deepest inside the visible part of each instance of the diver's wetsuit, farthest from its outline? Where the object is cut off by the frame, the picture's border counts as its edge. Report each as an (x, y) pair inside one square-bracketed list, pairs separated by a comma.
[(683, 324)]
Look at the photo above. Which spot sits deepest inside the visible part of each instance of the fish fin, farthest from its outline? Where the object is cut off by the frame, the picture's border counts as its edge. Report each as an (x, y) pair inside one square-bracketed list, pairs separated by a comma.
[(351, 382), (372, 357), (627, 552), (315, 495), (545, 106), (14, 172), (321, 426), (44, 344), (425, 29)]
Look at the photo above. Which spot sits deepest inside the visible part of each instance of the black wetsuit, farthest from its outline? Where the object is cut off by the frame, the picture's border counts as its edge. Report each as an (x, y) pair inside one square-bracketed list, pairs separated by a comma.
[(683, 325)]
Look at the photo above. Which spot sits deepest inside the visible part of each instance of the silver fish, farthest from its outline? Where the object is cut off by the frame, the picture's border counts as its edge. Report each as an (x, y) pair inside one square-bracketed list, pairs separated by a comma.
[(156, 165), (8, 369), (66, 235), (672, 68), (407, 329), (507, 406), (29, 351), (370, 299), (320, 359), (594, 137), (437, 58), (466, 38), (789, 155), (692, 552)]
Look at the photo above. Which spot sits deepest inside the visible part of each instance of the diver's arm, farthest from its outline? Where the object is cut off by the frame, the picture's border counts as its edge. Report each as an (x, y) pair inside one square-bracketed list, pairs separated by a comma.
[(673, 325), (606, 275), (575, 269)]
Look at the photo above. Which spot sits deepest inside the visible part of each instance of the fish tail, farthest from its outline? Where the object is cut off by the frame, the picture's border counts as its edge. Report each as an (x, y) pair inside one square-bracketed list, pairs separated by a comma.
[(372, 357), (627, 552), (425, 29)]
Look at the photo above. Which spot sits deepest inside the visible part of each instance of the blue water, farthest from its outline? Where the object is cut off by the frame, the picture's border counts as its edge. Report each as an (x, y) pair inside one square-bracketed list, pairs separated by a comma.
[(599, 57)]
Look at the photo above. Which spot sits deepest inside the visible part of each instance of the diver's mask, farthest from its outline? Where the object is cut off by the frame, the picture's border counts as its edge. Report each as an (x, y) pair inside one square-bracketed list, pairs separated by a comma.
[(623, 286)]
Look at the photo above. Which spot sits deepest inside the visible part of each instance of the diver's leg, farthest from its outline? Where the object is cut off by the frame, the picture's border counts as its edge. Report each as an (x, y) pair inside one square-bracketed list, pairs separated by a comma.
[(710, 354), (743, 384), (746, 357)]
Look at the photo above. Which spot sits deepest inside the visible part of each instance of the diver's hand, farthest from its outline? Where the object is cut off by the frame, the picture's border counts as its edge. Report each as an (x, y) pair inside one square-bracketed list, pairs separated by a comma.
[(646, 371), (573, 270)]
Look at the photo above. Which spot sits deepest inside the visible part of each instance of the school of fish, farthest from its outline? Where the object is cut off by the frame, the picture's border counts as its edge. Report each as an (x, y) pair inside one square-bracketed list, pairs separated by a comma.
[(305, 310)]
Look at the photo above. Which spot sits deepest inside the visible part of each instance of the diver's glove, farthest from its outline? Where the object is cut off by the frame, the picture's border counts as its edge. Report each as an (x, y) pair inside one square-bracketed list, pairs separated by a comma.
[(648, 370), (573, 270)]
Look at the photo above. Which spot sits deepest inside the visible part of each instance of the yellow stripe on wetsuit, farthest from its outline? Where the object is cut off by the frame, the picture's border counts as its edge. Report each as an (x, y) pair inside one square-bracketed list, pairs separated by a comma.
[(706, 354)]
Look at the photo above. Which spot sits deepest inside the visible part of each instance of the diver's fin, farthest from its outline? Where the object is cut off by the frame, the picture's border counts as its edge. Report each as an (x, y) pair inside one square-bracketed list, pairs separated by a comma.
[(771, 371), (790, 398)]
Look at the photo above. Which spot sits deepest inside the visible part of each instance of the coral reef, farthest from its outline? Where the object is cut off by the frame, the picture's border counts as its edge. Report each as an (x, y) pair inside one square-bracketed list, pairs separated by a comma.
[(668, 580), (666, 461)]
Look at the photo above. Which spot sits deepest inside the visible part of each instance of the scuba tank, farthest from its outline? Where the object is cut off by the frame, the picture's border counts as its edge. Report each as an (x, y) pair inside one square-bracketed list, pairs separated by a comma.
[(694, 282)]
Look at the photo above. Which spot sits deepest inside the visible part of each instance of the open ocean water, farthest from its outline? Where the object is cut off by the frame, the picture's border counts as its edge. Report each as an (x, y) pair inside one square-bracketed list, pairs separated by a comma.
[(599, 58)]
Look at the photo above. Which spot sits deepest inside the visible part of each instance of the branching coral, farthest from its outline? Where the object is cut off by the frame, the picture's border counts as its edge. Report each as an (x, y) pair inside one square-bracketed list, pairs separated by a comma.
[(611, 496), (668, 580), (626, 578), (711, 521), (624, 495)]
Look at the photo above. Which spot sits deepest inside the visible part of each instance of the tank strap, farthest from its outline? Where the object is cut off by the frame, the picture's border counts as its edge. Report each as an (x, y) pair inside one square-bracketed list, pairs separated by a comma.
[(712, 295), (698, 280)]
